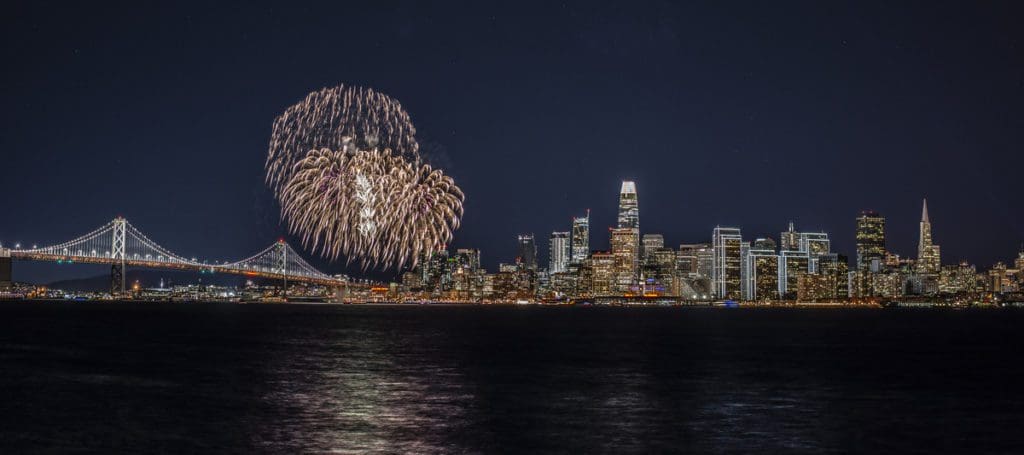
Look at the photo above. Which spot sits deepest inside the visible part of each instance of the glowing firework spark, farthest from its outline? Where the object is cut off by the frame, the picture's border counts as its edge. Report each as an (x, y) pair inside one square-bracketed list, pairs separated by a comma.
[(332, 116), (373, 205)]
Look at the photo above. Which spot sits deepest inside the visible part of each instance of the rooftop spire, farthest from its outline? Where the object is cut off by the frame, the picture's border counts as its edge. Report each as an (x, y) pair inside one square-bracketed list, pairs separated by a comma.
[(924, 212)]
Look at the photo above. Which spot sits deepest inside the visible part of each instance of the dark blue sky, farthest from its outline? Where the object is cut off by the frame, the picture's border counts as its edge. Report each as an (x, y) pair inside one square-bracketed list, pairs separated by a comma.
[(746, 114)]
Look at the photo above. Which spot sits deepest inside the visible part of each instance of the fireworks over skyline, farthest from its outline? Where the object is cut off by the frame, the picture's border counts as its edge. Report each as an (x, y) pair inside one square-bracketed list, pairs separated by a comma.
[(332, 116), (345, 168)]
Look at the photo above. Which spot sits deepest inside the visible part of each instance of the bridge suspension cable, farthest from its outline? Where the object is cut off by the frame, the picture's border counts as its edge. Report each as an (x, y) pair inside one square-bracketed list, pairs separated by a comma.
[(120, 243)]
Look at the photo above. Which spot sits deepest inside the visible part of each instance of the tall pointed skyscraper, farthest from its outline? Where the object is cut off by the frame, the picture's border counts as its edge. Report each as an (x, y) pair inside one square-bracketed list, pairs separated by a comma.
[(629, 211), (928, 261)]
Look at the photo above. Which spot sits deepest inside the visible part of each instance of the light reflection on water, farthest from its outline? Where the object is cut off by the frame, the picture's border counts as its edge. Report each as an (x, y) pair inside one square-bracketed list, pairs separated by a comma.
[(320, 379), (359, 393)]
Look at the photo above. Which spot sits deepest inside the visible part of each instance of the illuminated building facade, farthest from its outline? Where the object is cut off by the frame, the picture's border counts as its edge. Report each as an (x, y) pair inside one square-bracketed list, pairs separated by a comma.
[(686, 258), (871, 252), (651, 243), (602, 273), (470, 257), (558, 258), (661, 267), (580, 238), (928, 257), (527, 251), (814, 244), (792, 264), (727, 245), (624, 243), (434, 271), (829, 282), (762, 276), (957, 279), (568, 282), (890, 284), (629, 210), (789, 240)]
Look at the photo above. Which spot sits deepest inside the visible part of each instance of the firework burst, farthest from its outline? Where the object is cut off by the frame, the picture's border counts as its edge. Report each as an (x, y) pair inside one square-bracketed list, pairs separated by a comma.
[(330, 117), (345, 166), (373, 205)]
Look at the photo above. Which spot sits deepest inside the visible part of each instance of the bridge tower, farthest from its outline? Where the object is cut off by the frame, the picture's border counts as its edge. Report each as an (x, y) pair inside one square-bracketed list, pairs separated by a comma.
[(5, 269), (117, 272), (282, 263)]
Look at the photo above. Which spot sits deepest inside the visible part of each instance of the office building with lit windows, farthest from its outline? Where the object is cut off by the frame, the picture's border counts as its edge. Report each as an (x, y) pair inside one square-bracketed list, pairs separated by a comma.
[(601, 265), (870, 241), (558, 257), (624, 243), (629, 210), (650, 243), (761, 281), (580, 238), (527, 252), (727, 257), (792, 264), (789, 240)]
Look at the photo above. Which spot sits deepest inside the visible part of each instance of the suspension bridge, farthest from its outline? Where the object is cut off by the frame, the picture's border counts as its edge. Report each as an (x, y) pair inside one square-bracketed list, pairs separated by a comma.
[(121, 245)]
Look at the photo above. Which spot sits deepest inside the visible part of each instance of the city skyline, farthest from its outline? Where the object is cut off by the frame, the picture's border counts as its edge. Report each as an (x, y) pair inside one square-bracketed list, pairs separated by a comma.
[(169, 125), (512, 227), (640, 268), (628, 214), (914, 251)]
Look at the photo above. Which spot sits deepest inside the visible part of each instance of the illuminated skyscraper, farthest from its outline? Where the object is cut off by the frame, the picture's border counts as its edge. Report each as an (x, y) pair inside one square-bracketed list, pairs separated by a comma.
[(870, 240), (686, 258), (470, 257), (706, 261), (761, 280), (580, 238), (789, 240), (955, 279), (815, 244), (727, 244), (435, 271), (792, 264), (650, 244), (661, 267), (558, 259), (629, 211), (928, 259), (624, 244), (602, 273), (527, 252), (832, 277)]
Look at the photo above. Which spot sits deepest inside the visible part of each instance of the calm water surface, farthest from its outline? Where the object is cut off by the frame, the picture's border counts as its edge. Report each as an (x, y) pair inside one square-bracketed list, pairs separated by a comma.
[(356, 379)]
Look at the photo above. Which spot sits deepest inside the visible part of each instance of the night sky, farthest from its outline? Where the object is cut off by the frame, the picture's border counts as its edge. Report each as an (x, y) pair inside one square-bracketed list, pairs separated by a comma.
[(723, 113)]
